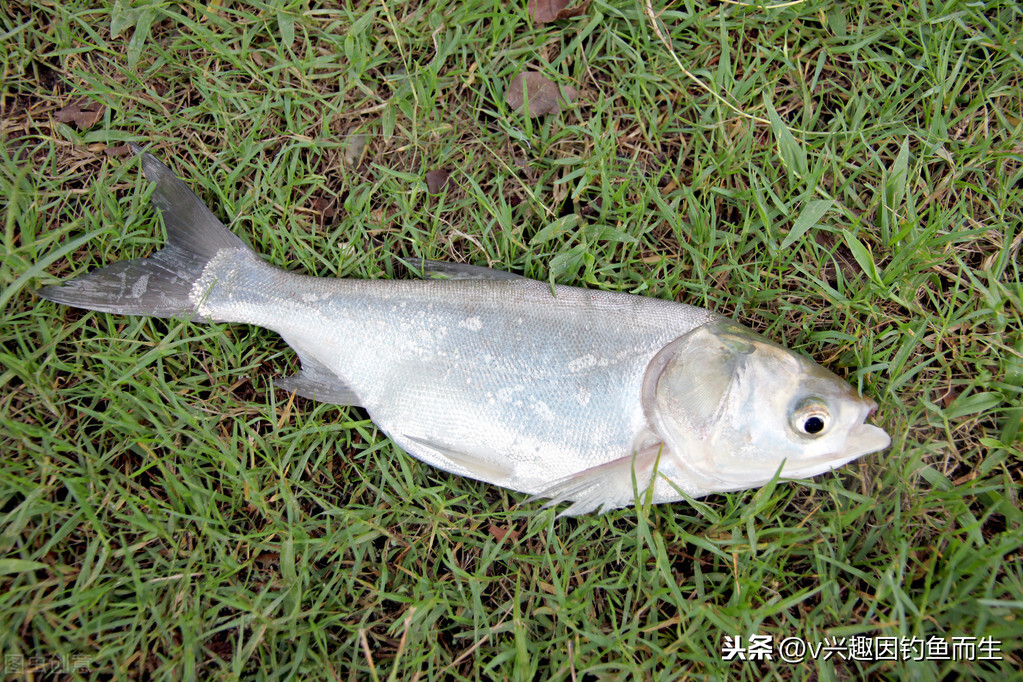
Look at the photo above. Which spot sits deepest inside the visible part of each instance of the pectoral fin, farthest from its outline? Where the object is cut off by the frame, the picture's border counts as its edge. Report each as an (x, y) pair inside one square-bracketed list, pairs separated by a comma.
[(317, 382), (605, 487)]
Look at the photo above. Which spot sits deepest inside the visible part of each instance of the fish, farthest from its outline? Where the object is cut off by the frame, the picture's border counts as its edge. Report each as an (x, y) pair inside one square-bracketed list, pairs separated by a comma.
[(589, 397)]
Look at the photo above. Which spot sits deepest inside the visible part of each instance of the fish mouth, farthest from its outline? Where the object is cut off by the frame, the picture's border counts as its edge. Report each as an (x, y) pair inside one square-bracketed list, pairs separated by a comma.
[(725, 474), (863, 440)]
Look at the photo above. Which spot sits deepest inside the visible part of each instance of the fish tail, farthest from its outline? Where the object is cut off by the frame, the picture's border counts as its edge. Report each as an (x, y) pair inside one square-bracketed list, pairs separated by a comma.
[(167, 284)]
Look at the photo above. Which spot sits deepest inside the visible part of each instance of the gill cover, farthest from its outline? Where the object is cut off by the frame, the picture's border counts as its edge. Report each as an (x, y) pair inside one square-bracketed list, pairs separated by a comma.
[(686, 383)]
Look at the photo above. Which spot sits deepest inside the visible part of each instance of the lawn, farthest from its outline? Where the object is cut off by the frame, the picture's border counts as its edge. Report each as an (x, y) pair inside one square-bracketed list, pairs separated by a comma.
[(845, 177)]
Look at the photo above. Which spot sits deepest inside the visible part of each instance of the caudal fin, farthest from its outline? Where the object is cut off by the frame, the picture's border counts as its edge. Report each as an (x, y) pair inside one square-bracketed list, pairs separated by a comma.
[(161, 285)]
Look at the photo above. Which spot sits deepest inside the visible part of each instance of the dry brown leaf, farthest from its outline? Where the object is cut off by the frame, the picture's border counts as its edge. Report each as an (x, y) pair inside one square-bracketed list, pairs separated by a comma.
[(499, 533), (326, 208), (546, 11), (82, 112), (436, 180), (950, 397), (850, 268), (541, 92), (118, 150)]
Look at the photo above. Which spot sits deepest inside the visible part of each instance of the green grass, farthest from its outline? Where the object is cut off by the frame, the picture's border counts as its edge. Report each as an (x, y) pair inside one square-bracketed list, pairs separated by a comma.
[(845, 177)]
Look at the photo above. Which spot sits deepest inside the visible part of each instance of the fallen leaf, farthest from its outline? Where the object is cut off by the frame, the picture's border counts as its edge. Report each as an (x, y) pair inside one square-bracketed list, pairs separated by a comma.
[(842, 255), (324, 205), (82, 112), (436, 180), (950, 397), (266, 559), (546, 11), (118, 150), (500, 533), (325, 208), (542, 94)]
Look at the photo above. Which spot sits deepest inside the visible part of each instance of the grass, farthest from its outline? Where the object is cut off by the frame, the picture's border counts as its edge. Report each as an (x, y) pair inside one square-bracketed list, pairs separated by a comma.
[(847, 178)]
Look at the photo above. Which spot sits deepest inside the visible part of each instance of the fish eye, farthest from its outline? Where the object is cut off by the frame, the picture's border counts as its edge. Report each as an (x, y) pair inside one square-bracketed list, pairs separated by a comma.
[(811, 418)]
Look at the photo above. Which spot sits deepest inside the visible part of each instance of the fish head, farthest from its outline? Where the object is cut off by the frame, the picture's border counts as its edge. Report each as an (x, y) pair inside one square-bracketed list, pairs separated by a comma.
[(734, 409)]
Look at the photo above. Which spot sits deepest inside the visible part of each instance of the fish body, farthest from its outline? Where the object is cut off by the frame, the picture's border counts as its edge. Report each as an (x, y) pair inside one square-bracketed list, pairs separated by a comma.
[(567, 393), (493, 379)]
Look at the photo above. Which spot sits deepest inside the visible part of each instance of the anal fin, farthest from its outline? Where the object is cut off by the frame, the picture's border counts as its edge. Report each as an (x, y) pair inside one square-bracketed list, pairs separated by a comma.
[(317, 382), (606, 486)]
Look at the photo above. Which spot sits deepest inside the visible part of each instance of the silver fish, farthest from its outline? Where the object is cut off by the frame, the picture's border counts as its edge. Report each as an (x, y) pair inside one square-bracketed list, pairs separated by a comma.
[(568, 394)]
